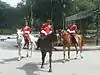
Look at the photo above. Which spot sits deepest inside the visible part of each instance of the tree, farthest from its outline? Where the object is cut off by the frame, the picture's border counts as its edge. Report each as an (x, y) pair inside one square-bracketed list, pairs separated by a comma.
[(81, 5), (4, 5)]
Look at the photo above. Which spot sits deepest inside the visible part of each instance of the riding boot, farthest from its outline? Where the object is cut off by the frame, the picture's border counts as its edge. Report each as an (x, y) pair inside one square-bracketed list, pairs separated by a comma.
[(74, 40), (25, 42), (38, 44)]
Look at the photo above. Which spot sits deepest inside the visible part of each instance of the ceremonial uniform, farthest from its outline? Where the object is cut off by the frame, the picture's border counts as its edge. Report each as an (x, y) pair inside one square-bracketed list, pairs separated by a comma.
[(26, 30), (72, 30), (45, 29)]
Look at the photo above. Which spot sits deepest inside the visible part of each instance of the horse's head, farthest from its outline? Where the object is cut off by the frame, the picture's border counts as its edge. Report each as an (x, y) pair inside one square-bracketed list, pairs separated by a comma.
[(59, 34), (19, 34), (52, 36), (62, 34)]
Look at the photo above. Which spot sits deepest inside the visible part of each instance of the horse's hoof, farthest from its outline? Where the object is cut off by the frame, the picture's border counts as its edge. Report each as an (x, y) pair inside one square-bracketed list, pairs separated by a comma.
[(75, 58), (81, 57), (18, 59), (63, 61), (36, 48), (42, 67), (50, 70), (22, 57), (68, 59), (27, 55), (30, 56)]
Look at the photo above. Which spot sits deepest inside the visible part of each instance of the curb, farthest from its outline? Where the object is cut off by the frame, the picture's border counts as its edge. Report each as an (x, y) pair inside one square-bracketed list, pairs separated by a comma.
[(84, 48)]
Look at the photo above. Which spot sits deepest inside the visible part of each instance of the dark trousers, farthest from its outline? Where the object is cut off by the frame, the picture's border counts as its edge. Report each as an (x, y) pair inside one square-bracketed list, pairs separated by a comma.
[(73, 38)]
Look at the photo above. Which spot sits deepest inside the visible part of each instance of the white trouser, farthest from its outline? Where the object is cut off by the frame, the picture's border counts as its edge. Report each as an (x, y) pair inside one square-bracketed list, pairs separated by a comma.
[(27, 32), (43, 32), (50, 32), (70, 31)]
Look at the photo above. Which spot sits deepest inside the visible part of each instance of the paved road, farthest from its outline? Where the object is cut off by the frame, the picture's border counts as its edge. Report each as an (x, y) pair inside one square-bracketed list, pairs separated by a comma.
[(89, 65)]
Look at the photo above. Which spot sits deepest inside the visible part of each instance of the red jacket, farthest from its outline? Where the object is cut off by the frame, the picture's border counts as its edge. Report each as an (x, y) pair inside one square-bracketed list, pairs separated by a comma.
[(26, 30), (72, 27), (46, 28)]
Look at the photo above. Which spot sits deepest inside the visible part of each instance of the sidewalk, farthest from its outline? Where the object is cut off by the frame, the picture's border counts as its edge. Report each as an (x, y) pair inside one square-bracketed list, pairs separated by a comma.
[(60, 48)]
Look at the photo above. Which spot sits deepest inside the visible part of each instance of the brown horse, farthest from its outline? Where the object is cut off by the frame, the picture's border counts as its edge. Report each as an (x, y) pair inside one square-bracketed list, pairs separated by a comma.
[(46, 45), (67, 42)]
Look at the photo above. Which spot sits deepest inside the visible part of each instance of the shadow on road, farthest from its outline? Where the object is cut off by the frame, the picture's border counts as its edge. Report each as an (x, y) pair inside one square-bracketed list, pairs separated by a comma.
[(30, 68), (8, 60)]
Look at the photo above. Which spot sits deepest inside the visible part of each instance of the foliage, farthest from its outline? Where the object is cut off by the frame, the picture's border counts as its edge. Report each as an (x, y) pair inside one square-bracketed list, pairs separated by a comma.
[(4, 5), (83, 4), (42, 9)]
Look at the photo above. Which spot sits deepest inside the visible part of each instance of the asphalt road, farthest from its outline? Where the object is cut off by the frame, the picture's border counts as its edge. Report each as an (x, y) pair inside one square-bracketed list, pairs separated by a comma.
[(89, 65)]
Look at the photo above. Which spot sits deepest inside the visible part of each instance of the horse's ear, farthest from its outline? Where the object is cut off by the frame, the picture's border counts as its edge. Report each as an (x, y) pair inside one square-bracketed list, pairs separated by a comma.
[(54, 30)]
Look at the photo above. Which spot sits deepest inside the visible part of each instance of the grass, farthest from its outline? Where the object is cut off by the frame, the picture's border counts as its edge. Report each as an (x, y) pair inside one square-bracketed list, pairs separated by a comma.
[(6, 31)]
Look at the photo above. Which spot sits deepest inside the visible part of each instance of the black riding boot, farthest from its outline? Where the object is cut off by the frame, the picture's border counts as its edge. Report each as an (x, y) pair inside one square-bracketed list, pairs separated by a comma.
[(73, 40), (38, 44)]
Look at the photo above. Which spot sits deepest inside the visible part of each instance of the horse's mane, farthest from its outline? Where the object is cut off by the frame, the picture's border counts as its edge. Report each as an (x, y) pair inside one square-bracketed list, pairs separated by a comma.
[(64, 33), (50, 38)]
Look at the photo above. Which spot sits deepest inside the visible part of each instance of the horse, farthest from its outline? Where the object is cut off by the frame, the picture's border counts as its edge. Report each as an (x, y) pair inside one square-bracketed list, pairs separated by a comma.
[(21, 41), (46, 45), (67, 42)]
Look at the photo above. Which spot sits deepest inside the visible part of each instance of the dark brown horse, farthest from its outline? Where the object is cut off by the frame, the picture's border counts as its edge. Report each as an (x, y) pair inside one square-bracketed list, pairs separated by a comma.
[(67, 42), (46, 45)]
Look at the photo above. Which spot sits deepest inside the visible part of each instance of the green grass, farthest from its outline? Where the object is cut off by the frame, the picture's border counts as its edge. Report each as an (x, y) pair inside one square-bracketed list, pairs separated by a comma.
[(7, 31)]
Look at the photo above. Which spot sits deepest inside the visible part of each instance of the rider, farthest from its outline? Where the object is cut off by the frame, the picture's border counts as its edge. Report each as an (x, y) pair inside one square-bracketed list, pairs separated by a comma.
[(72, 28), (26, 31), (45, 30)]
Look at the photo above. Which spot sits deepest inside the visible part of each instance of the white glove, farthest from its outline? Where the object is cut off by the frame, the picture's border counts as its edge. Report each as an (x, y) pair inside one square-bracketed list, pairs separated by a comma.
[(57, 34), (70, 31), (27, 32), (50, 32), (43, 32)]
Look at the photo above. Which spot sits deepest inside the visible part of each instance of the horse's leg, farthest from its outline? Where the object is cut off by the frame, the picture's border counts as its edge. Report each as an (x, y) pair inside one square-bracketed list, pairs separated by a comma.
[(76, 52), (27, 50), (81, 46), (50, 60), (34, 44), (81, 49), (19, 52), (31, 48), (68, 53), (24, 45), (64, 49), (21, 45), (43, 58)]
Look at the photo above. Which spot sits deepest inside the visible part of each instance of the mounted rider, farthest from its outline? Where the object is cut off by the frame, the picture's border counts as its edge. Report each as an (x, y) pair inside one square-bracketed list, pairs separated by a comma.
[(72, 29), (26, 31), (46, 29)]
